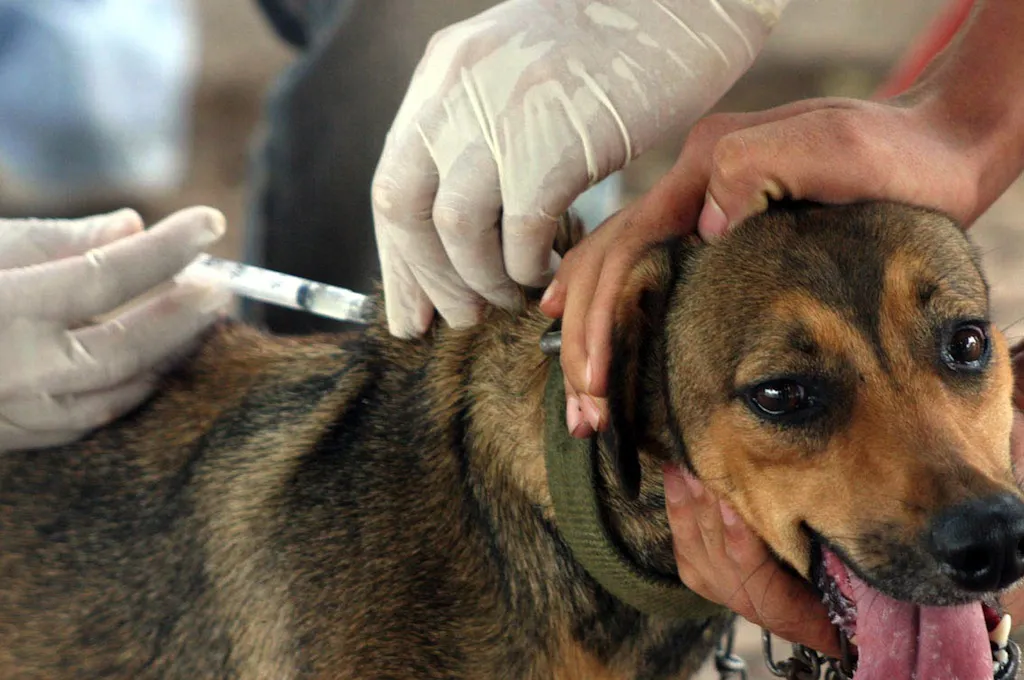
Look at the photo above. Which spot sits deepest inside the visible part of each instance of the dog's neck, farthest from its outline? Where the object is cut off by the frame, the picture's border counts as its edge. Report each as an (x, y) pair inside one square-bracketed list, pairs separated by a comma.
[(483, 391), (507, 442)]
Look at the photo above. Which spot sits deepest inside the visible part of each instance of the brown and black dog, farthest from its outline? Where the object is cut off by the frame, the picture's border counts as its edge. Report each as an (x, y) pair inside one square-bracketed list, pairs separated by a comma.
[(366, 507)]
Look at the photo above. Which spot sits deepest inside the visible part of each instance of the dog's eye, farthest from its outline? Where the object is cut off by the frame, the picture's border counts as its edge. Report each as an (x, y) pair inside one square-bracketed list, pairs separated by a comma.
[(967, 347), (778, 398)]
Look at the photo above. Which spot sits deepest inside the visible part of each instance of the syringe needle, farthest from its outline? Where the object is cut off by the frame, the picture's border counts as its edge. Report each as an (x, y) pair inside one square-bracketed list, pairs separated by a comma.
[(279, 289)]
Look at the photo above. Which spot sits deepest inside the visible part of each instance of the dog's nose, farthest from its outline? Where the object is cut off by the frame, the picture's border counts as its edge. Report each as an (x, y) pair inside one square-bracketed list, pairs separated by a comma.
[(981, 542)]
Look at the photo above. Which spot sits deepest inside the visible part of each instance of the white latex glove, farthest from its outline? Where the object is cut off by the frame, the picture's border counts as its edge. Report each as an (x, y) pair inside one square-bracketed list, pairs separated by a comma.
[(61, 372), (513, 113)]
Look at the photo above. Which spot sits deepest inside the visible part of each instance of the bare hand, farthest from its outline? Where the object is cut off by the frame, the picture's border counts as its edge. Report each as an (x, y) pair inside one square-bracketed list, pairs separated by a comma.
[(826, 150), (722, 560)]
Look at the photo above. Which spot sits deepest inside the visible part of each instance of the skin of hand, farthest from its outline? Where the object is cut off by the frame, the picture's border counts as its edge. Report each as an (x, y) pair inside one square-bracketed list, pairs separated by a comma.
[(511, 114), (955, 142), (721, 559), (63, 370)]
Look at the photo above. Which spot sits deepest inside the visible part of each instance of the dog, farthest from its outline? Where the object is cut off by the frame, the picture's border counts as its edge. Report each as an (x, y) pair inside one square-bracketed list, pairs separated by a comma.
[(361, 506)]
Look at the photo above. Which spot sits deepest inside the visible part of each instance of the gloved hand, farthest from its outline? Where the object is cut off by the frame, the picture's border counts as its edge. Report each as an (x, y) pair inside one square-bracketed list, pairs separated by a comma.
[(62, 373), (513, 113)]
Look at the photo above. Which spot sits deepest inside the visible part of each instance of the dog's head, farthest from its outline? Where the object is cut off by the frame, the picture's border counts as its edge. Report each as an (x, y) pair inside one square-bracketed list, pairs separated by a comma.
[(833, 374)]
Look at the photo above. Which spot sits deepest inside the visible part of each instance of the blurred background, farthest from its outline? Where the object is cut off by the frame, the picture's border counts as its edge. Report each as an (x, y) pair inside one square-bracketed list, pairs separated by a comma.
[(162, 104)]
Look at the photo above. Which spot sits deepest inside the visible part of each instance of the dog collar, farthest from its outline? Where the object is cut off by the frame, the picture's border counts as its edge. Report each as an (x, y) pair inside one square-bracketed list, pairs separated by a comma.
[(572, 467)]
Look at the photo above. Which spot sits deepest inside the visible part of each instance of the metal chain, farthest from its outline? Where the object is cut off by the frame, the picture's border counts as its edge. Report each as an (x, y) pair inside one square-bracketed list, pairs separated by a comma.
[(807, 664), (727, 663)]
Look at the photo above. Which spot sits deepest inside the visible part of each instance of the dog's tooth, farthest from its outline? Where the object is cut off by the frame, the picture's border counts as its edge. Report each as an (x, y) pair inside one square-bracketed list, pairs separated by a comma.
[(1001, 633), (1001, 657)]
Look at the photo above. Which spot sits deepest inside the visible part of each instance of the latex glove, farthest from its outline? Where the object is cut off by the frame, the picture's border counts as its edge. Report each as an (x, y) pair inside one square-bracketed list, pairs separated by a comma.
[(61, 372), (513, 113)]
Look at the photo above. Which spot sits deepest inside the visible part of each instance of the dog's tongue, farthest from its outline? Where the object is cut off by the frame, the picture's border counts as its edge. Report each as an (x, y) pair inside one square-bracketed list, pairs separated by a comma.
[(901, 641)]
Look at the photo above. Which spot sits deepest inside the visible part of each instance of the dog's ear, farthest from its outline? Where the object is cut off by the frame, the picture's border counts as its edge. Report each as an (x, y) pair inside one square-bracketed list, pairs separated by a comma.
[(636, 353)]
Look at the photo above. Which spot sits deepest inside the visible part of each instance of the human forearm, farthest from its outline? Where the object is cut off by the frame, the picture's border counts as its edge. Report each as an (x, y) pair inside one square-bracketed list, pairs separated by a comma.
[(953, 144), (972, 95)]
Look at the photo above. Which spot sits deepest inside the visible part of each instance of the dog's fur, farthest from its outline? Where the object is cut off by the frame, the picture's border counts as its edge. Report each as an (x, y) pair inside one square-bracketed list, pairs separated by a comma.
[(367, 507)]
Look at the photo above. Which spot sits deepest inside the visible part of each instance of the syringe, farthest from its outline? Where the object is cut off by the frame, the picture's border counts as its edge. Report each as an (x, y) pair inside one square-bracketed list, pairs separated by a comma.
[(279, 289)]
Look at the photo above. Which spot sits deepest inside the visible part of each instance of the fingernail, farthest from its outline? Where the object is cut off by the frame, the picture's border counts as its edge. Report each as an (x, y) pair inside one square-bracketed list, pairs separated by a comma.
[(572, 414), (216, 225), (696, 488), (712, 222), (549, 292), (729, 516), (675, 486), (582, 431), (463, 316), (124, 222), (591, 412)]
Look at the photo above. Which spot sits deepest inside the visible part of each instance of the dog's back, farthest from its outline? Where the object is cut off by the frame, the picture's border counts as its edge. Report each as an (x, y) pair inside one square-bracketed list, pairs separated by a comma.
[(307, 508), (119, 553)]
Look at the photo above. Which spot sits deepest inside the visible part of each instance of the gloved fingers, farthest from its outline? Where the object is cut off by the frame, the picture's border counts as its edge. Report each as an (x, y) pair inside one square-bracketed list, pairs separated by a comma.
[(467, 213), (33, 241), (45, 420), (399, 196), (403, 202), (143, 338), (533, 208), (408, 309), (529, 258), (457, 303), (77, 288)]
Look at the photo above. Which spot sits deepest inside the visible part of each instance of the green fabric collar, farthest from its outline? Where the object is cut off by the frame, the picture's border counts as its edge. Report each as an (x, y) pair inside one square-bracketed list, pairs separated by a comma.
[(572, 466)]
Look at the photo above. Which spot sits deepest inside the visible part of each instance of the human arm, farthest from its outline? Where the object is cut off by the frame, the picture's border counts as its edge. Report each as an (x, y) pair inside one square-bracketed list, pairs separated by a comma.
[(62, 371), (512, 113), (929, 147)]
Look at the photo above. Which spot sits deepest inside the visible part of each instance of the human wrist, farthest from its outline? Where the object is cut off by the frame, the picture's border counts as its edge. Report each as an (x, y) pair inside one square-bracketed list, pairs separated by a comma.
[(969, 97), (986, 134)]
